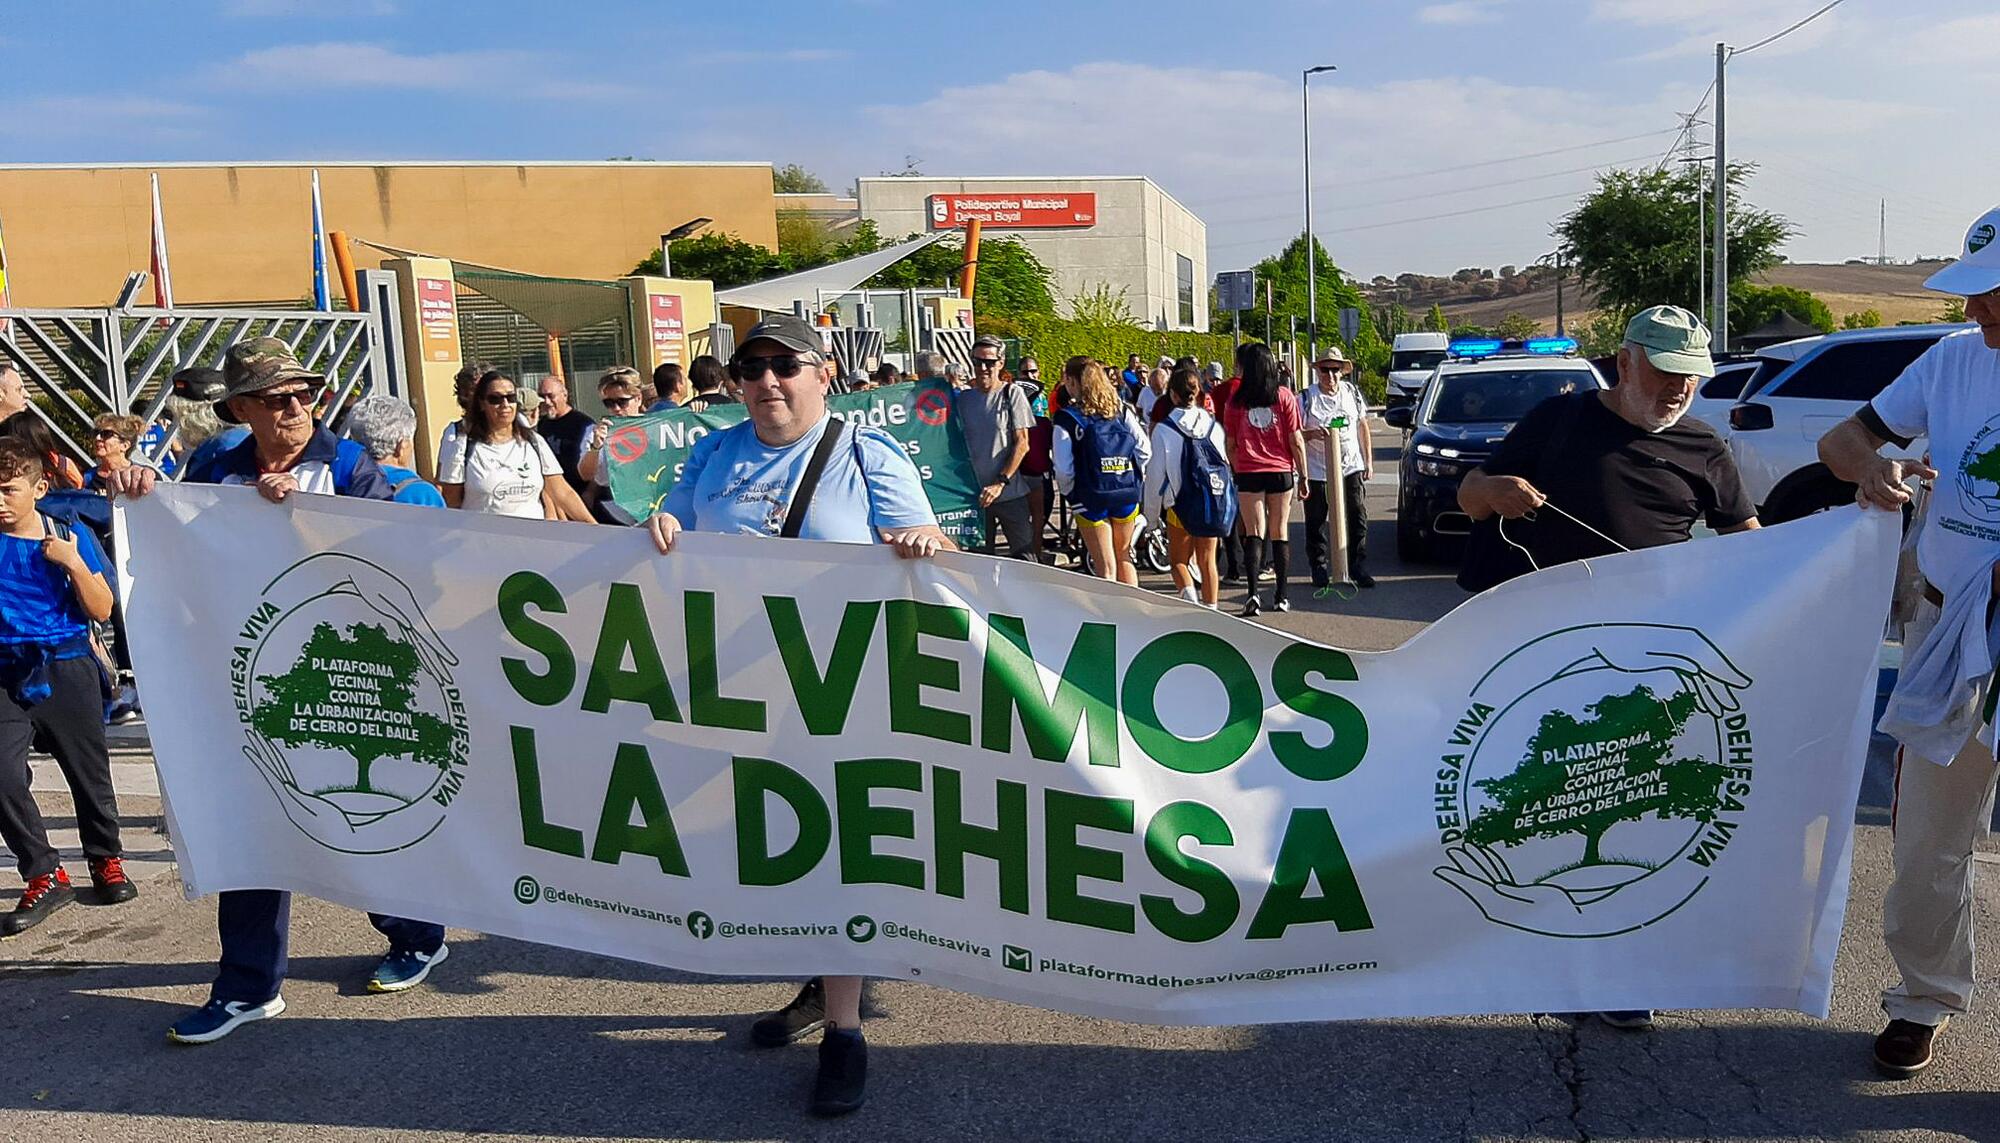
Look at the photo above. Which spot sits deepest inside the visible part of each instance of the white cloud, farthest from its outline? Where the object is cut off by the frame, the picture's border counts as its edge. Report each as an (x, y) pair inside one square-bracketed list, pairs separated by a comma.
[(1460, 12), (127, 118), (491, 74)]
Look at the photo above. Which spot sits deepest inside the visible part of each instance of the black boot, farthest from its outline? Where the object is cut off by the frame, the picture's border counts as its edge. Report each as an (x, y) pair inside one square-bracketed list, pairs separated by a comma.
[(842, 1083), (805, 1015)]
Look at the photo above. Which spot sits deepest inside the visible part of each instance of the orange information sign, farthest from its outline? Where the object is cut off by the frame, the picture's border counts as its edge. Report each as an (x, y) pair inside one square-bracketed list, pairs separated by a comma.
[(1029, 211), (669, 332), (437, 319)]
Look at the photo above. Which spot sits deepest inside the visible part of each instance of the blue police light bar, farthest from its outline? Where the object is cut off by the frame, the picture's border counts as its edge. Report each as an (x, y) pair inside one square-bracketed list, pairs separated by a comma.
[(1475, 347), (1552, 346)]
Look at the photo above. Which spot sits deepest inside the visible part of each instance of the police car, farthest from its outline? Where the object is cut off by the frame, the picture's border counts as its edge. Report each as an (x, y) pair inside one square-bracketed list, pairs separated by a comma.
[(1479, 391)]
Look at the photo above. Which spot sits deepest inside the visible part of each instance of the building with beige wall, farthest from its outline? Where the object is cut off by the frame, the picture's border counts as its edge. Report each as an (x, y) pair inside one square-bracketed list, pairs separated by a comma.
[(1124, 232), (241, 232)]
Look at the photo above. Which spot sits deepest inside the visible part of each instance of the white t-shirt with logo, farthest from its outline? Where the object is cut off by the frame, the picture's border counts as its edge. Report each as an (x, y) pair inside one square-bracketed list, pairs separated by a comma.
[(1952, 396), (504, 479), (1320, 409)]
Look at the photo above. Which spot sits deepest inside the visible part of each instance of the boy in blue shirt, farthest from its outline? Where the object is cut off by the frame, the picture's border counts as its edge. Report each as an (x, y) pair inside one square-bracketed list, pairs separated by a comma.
[(52, 587)]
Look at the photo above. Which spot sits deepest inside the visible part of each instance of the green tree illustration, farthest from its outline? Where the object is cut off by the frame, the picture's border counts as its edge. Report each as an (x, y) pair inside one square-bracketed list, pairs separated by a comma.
[(1985, 466), (1689, 785), (306, 686)]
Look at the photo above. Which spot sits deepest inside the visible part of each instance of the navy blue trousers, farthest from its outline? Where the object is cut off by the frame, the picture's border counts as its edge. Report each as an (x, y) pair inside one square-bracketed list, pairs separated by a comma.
[(256, 925)]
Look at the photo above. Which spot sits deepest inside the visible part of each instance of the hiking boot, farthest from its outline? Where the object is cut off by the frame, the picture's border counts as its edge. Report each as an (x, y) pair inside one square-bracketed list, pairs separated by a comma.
[(44, 895), (840, 1086), (107, 876), (1904, 1048), (805, 1015)]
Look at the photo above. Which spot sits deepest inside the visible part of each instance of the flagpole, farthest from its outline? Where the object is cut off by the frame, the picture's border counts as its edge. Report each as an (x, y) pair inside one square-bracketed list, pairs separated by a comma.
[(321, 298), (163, 279)]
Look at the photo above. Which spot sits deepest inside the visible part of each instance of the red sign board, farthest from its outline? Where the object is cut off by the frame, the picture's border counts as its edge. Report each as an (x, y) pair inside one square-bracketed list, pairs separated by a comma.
[(437, 319), (669, 334), (1030, 210)]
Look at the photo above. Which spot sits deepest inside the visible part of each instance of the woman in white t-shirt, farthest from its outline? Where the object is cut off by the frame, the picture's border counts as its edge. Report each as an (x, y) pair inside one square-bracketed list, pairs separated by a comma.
[(496, 464)]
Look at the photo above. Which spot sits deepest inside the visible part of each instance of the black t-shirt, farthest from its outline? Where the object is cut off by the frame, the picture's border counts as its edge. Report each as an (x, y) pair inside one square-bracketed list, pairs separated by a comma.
[(1641, 489), (566, 436)]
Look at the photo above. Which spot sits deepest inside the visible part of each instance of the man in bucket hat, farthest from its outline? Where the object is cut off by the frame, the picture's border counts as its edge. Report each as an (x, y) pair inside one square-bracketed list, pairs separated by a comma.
[(1945, 770), (287, 453)]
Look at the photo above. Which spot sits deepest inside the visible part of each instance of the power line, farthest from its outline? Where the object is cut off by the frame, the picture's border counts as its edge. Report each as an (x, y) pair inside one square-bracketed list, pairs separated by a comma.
[(1399, 199), (1687, 125), (1423, 218), (1787, 31)]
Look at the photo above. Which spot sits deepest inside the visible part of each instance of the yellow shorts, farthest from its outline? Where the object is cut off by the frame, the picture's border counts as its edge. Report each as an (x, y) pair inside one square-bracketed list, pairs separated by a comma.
[(1121, 515)]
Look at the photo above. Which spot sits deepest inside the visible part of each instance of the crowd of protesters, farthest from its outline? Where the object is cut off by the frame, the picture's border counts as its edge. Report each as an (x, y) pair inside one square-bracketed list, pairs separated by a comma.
[(1216, 460)]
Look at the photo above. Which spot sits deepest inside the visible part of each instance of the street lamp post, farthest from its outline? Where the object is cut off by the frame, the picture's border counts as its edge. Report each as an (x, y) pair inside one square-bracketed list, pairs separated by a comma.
[(667, 240), (1312, 262)]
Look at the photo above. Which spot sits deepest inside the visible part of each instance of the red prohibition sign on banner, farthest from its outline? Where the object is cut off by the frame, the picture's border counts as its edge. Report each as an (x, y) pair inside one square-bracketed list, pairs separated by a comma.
[(627, 444), (932, 407)]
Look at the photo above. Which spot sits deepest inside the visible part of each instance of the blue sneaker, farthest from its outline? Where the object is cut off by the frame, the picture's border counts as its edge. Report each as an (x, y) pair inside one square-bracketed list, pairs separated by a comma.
[(1631, 1021), (216, 1019), (402, 970)]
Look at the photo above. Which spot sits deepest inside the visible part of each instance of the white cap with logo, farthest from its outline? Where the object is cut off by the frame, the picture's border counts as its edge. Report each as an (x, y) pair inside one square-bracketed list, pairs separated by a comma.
[(1977, 270)]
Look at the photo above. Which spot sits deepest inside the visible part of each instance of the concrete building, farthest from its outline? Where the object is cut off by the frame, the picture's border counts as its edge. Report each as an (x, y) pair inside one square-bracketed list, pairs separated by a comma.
[(240, 232), (1121, 232)]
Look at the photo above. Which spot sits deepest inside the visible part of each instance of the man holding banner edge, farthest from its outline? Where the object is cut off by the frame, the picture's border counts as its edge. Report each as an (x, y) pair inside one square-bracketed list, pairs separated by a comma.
[(766, 476)]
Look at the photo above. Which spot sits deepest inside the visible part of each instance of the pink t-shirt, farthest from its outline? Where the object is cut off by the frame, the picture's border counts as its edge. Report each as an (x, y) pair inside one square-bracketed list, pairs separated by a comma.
[(1260, 440)]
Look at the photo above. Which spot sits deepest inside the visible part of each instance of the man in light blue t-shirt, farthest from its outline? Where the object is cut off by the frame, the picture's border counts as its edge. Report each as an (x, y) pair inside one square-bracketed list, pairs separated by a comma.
[(744, 479)]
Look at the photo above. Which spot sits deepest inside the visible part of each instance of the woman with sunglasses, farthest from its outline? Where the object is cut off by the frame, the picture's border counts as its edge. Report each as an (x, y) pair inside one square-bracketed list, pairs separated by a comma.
[(111, 445), (497, 464)]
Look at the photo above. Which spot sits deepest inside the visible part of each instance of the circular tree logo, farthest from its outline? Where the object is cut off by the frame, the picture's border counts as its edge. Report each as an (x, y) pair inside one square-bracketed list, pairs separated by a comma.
[(348, 707), (1595, 779), (1978, 475)]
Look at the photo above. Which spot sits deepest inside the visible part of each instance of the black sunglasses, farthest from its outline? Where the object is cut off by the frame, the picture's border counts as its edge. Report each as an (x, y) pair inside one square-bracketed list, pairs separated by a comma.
[(618, 402), (984, 362), (502, 399), (103, 434), (786, 366), (278, 402)]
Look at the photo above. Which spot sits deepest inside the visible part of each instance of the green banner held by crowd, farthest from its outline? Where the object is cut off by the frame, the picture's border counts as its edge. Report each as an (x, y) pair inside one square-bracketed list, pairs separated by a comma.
[(647, 452)]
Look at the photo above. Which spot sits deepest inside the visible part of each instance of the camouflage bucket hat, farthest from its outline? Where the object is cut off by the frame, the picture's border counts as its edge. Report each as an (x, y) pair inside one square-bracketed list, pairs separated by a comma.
[(256, 365)]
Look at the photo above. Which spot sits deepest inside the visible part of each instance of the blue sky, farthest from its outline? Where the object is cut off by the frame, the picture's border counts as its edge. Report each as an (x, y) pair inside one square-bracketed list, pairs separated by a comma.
[(1877, 100)]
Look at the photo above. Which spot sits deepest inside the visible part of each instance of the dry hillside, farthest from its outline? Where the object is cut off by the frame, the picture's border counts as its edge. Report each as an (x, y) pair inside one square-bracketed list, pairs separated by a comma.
[(1896, 291)]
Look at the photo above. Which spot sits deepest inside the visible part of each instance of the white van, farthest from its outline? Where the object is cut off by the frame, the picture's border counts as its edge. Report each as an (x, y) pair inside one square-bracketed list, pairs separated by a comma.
[(1413, 357)]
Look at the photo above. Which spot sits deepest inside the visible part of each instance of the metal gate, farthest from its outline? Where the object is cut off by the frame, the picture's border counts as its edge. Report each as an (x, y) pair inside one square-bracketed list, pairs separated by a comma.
[(80, 364)]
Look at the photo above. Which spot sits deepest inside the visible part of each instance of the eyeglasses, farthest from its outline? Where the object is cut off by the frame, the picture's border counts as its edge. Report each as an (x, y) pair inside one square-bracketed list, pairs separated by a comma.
[(786, 366), (108, 434), (1031, 373), (983, 363), (619, 402), (502, 399), (279, 402)]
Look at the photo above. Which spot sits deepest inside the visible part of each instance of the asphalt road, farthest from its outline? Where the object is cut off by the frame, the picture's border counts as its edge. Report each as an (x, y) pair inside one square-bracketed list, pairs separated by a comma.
[(515, 1041)]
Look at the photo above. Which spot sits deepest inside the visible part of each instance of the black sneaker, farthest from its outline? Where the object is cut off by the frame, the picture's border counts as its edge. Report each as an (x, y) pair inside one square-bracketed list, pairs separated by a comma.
[(1282, 605), (1251, 608), (805, 1015), (842, 1083), (44, 895), (1904, 1048), (1363, 579)]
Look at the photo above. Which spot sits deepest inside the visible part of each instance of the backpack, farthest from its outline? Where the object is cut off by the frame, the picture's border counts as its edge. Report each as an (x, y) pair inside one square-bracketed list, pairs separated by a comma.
[(1205, 504), (1106, 457)]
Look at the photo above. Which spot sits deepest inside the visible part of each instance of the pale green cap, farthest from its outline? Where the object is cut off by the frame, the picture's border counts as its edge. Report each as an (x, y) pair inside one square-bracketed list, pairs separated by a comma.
[(1675, 341)]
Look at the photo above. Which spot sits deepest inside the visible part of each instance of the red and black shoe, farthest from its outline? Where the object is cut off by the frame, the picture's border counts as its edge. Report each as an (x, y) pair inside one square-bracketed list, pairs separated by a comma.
[(107, 875), (44, 895)]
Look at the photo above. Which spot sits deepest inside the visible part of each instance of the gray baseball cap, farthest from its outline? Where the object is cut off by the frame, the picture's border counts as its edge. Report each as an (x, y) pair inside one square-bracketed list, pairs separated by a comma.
[(788, 330), (1675, 341)]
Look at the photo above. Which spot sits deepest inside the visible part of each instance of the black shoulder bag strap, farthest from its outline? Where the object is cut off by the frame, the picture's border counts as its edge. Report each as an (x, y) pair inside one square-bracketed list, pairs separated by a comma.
[(795, 515)]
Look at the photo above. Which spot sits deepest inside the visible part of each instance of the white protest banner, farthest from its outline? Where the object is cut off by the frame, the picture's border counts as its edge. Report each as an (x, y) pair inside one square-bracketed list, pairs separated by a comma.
[(1620, 785)]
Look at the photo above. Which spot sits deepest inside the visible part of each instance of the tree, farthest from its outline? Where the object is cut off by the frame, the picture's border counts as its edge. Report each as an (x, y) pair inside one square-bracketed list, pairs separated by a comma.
[(1101, 306), (352, 693), (1518, 325), (723, 259), (794, 179), (1752, 306), (1435, 321), (1953, 312), (1866, 319), (1586, 776), (1602, 333), (1636, 238), (1012, 282)]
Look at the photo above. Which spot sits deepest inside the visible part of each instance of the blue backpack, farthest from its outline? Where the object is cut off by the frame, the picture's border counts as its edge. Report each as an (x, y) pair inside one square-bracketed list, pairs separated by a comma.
[(1205, 504), (1106, 454)]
